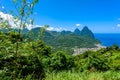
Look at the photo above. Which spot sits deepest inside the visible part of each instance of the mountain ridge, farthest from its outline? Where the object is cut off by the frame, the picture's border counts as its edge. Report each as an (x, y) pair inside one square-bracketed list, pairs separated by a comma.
[(83, 38)]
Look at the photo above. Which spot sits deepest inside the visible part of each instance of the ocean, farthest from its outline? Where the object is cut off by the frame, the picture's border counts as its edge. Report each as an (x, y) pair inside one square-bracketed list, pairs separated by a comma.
[(108, 39)]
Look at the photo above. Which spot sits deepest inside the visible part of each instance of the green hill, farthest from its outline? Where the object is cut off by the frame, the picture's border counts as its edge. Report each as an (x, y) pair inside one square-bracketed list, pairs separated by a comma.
[(83, 38)]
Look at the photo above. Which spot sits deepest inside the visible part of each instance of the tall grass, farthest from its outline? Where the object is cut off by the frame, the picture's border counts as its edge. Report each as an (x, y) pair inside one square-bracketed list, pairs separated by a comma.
[(67, 75)]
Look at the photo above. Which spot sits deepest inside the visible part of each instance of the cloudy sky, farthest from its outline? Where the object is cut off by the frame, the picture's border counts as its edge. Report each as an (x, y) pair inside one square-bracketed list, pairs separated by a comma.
[(101, 16)]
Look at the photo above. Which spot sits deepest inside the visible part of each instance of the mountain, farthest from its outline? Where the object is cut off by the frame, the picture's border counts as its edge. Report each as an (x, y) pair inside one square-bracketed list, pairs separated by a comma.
[(83, 38), (66, 32), (64, 39), (36, 31), (87, 32), (77, 31)]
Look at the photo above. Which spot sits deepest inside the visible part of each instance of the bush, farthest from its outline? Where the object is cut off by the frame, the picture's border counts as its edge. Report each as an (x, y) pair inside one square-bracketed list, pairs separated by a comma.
[(40, 48), (92, 61), (61, 61), (25, 63), (22, 66)]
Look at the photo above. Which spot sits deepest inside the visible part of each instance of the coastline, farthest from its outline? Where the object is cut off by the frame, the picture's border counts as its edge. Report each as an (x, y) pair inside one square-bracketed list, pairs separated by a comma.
[(108, 39), (78, 51)]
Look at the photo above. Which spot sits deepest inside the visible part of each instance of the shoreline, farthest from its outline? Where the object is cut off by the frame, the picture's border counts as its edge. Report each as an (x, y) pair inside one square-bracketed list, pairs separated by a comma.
[(78, 51)]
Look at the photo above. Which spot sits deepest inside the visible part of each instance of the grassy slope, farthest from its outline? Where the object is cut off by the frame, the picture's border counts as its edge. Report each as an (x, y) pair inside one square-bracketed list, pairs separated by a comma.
[(109, 75)]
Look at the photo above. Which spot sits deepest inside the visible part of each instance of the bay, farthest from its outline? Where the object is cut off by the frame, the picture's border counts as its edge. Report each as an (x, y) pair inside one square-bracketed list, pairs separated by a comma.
[(108, 39)]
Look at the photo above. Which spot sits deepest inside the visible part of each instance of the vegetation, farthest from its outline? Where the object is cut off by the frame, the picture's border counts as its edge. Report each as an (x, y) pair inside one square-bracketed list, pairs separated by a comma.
[(102, 60), (25, 58), (67, 75), (26, 62), (68, 39), (35, 60)]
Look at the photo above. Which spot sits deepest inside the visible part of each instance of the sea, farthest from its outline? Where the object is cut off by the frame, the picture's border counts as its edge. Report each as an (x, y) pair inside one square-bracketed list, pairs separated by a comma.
[(108, 39)]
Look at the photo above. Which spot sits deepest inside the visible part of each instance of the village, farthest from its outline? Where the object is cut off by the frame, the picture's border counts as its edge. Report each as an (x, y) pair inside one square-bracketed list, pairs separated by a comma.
[(78, 51)]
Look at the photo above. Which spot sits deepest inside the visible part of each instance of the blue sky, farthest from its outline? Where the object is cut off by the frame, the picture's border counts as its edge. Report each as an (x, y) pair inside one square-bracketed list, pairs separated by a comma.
[(101, 16)]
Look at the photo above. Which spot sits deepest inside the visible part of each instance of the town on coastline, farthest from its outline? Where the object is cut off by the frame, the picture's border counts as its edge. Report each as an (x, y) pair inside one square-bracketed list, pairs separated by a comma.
[(78, 51)]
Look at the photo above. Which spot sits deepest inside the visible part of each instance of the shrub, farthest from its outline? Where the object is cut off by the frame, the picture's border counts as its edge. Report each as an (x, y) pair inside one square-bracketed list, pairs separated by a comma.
[(22, 66), (61, 61)]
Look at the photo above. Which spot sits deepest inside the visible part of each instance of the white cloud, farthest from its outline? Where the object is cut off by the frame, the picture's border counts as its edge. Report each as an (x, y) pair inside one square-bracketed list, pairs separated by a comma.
[(118, 25), (54, 29), (8, 17), (5, 16), (38, 26), (58, 29), (78, 25), (29, 27), (50, 28), (14, 23)]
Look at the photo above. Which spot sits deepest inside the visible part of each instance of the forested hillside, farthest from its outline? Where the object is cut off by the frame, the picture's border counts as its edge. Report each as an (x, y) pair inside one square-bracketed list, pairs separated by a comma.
[(83, 38)]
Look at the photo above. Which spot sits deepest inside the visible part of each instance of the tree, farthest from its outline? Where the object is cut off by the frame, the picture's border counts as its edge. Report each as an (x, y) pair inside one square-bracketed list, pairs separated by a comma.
[(42, 31), (24, 10), (13, 62)]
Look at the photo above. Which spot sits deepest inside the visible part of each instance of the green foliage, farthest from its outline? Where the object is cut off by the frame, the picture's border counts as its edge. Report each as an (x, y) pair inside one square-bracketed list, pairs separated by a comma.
[(21, 58), (61, 61), (64, 49), (67, 75), (14, 37), (40, 48), (102, 60), (22, 66), (26, 63), (42, 31), (34, 57)]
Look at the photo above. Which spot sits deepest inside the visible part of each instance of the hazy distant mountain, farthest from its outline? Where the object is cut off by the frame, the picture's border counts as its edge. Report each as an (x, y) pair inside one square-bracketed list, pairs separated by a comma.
[(66, 32), (87, 32), (77, 31)]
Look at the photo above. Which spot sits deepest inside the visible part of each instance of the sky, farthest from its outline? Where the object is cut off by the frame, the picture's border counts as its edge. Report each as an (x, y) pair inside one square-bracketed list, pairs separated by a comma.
[(101, 16)]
